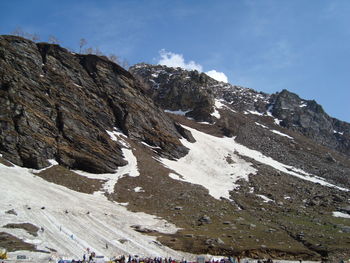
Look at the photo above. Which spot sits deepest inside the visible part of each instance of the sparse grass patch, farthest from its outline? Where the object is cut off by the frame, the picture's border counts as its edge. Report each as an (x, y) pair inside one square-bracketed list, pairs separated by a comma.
[(62, 176)]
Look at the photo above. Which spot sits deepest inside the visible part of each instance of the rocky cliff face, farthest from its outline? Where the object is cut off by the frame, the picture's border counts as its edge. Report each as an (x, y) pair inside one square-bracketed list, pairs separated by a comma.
[(58, 105), (195, 93), (175, 89), (309, 118)]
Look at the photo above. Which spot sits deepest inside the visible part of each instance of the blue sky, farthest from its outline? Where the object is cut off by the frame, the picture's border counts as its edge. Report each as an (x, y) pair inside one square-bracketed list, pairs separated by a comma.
[(270, 45)]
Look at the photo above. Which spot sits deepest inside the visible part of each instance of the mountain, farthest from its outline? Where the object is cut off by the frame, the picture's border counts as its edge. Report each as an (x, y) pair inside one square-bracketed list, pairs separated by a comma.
[(195, 93), (161, 161)]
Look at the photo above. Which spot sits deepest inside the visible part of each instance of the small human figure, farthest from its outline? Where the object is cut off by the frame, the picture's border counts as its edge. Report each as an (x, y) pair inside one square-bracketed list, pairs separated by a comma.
[(106, 246)]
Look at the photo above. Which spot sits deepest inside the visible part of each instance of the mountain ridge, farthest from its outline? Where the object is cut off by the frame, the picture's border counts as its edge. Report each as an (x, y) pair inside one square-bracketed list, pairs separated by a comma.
[(304, 116), (222, 164)]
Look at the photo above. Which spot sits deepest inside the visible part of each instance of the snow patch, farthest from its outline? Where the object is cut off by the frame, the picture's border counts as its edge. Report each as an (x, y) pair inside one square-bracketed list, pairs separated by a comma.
[(150, 146), (130, 169), (207, 164), (117, 136), (282, 134), (259, 124), (255, 113), (338, 132), (52, 162), (138, 189), (265, 198), (340, 214), (178, 112), (274, 131), (216, 114)]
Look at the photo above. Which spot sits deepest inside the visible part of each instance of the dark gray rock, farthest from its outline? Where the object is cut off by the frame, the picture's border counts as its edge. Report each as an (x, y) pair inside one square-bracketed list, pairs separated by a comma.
[(58, 105), (205, 219)]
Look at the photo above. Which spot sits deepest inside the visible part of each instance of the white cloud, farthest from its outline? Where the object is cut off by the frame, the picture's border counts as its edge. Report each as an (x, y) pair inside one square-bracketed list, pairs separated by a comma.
[(174, 60), (219, 76)]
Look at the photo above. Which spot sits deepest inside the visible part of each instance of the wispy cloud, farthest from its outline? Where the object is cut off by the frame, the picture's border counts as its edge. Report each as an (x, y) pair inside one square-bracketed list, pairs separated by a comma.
[(219, 76), (174, 60)]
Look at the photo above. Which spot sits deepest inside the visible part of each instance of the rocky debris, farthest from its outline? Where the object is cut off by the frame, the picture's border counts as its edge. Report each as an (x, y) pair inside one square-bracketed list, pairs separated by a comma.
[(11, 212), (12, 243), (204, 220), (344, 229), (30, 228), (123, 240), (142, 229), (58, 105), (214, 242), (345, 209)]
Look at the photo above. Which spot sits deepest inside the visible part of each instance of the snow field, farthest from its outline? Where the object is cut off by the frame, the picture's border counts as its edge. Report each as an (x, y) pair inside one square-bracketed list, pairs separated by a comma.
[(73, 221), (207, 164)]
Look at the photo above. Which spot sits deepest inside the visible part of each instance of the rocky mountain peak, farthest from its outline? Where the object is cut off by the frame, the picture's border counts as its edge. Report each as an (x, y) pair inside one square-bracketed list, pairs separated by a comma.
[(195, 94)]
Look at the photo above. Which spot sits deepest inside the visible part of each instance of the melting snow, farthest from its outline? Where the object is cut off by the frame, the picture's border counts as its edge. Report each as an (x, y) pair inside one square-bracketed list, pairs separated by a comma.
[(257, 123), (138, 189), (340, 214), (338, 132), (90, 221), (117, 136), (274, 131), (208, 164), (178, 112), (150, 146), (265, 198), (255, 112), (282, 134), (129, 169)]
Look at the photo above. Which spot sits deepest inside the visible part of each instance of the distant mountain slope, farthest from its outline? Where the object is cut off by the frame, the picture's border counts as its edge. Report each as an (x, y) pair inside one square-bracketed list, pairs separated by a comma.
[(195, 93), (226, 170)]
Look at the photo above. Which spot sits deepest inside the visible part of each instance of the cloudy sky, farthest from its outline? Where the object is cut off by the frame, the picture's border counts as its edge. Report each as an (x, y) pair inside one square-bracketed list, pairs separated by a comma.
[(270, 45)]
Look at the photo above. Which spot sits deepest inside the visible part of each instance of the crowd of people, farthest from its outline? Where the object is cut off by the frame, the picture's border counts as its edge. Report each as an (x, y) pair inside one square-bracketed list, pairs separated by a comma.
[(92, 258)]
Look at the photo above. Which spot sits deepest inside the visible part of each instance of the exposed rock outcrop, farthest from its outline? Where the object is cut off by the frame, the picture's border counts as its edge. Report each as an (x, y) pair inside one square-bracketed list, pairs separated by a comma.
[(58, 105)]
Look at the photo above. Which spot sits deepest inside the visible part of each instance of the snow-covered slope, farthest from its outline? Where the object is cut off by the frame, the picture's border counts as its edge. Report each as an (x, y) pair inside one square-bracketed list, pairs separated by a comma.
[(74, 221), (216, 164)]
